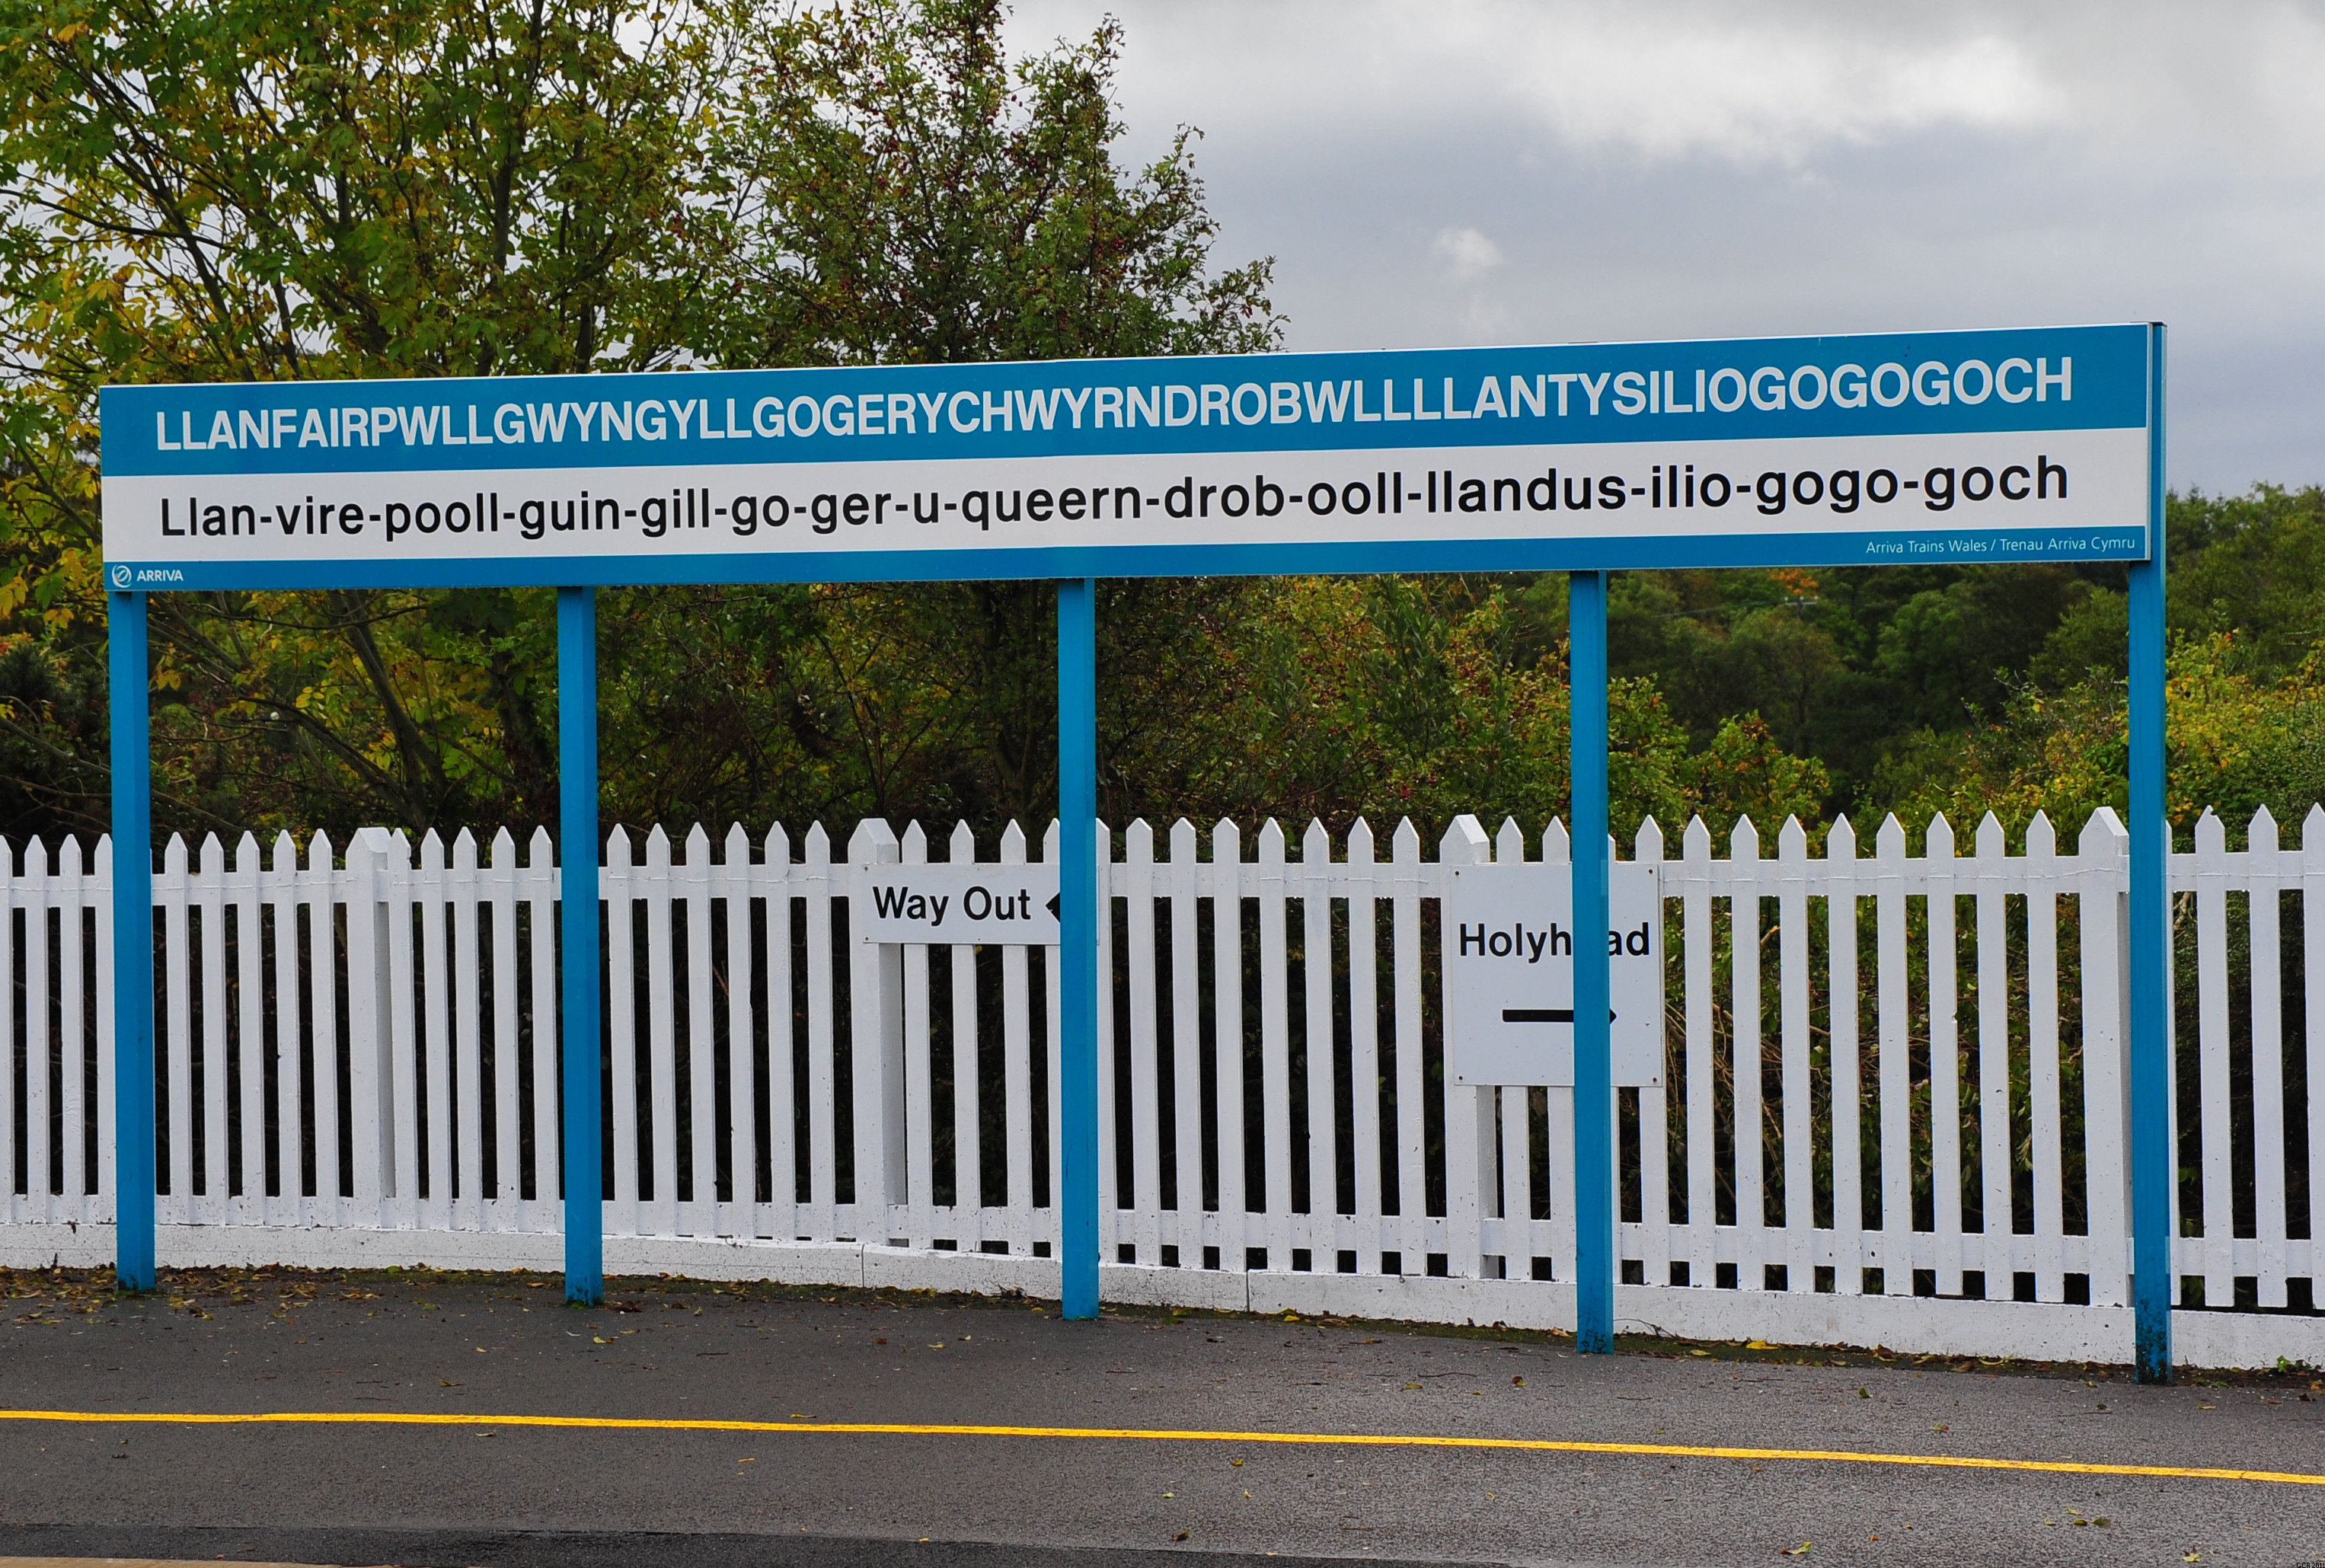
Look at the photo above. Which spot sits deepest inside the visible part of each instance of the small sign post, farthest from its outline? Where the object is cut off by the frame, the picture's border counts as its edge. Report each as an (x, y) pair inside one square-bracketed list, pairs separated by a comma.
[(1512, 956), (2042, 444)]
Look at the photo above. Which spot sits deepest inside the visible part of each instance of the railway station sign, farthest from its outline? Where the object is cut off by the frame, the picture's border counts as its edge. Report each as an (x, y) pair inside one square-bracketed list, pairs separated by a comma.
[(1988, 446)]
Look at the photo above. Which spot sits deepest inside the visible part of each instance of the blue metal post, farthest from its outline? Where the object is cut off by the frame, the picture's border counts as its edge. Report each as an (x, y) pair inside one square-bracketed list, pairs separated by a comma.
[(576, 854), (1593, 1091), (2154, 1164), (133, 943), (1078, 914)]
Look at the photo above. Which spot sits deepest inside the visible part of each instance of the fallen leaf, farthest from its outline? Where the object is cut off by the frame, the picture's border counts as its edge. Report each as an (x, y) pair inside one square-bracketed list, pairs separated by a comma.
[(1764, 1345), (1179, 1536), (1800, 1551), (1942, 1427)]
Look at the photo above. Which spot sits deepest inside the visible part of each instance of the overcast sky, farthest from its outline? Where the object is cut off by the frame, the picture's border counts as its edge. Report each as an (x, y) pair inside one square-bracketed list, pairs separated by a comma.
[(1490, 172)]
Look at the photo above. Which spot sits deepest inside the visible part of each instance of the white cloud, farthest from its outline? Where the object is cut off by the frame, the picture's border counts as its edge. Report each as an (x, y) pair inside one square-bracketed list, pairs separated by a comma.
[(1664, 79), (1674, 168), (1468, 254)]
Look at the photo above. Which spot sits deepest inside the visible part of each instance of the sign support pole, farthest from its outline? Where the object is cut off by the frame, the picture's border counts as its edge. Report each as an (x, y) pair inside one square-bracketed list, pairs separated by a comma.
[(1594, 1094), (579, 889), (1078, 917), (133, 943), (2153, 1164)]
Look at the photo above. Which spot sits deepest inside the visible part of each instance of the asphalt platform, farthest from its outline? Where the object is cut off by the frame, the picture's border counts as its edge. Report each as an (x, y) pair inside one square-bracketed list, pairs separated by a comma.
[(477, 1491)]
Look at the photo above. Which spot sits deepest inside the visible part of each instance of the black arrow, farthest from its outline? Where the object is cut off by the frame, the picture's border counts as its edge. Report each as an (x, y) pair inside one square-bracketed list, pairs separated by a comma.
[(1543, 1015), (1052, 905)]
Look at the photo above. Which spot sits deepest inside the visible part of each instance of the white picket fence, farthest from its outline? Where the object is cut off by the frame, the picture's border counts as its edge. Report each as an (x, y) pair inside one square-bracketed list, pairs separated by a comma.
[(358, 1064)]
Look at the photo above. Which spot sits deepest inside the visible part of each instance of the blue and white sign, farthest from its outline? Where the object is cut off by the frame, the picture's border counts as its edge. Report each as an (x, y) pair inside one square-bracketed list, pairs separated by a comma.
[(2026, 445)]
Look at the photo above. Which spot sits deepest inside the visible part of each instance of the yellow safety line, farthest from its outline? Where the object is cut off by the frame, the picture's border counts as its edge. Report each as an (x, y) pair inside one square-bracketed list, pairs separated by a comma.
[(1150, 1435)]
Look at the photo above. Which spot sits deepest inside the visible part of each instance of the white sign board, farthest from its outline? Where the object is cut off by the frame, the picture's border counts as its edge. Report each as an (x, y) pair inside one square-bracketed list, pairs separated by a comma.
[(969, 903), (1897, 447), (1508, 937)]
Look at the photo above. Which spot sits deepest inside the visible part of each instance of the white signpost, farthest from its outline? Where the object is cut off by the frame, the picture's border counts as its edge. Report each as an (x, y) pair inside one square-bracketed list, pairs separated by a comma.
[(973, 902), (1509, 973)]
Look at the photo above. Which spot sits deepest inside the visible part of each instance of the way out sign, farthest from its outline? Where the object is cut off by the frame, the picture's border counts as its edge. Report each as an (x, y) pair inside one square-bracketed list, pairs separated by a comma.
[(975, 902), (1508, 938)]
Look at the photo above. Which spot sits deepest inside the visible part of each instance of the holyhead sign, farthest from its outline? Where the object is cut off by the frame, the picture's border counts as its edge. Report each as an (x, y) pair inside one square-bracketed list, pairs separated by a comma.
[(1938, 446)]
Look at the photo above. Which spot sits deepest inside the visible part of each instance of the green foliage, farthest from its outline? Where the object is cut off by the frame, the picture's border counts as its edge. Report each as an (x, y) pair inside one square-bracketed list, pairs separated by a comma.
[(2235, 742), (245, 191)]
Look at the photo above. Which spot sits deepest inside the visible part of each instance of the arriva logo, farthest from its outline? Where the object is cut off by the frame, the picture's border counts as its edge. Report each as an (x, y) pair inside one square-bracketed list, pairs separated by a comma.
[(120, 575)]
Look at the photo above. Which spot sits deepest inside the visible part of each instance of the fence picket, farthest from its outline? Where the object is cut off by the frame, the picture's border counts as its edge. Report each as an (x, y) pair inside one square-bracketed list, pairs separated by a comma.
[(1470, 1166), (1319, 1049), (211, 1181), (2218, 1202), (782, 1043), (2269, 1129), (542, 882), (1896, 1252), (1363, 1049), (1750, 1055), (1702, 1113), (1187, 1184), (2042, 1059), (1230, 1045), (288, 1204), (72, 1054), (175, 895), (1135, 880), (2103, 919), (1945, 1173), (435, 1209), (967, 1075), (2312, 955), (1275, 1046), (1843, 1004), (1792, 1024), (698, 1210), (471, 1117), (822, 1219), (399, 1060), (1653, 1246), (1994, 1157), (17, 894), (732, 885), (368, 1098), (920, 1092), (1017, 1050)]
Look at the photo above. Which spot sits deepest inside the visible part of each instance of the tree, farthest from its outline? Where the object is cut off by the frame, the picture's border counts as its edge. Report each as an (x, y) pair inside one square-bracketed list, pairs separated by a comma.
[(481, 187), (245, 191), (896, 192)]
